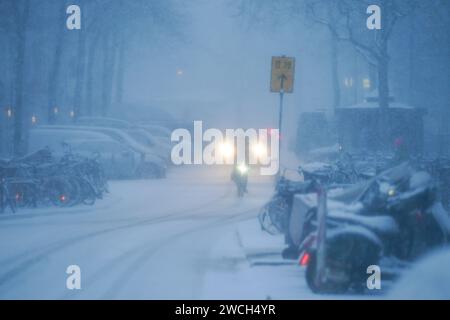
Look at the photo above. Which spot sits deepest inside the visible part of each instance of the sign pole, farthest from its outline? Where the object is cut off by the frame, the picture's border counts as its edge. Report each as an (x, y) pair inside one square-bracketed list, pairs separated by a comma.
[(280, 116), (280, 122), (281, 81), (321, 234)]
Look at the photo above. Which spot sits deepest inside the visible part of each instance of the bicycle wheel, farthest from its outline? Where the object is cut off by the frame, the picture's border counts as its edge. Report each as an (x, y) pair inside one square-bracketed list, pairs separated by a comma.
[(57, 191), (88, 195)]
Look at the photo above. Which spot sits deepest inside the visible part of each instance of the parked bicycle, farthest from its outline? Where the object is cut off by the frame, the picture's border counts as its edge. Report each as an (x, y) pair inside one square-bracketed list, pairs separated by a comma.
[(39, 179)]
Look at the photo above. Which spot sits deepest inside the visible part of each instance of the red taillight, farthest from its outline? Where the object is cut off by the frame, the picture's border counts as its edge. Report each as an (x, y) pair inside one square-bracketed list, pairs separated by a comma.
[(305, 259)]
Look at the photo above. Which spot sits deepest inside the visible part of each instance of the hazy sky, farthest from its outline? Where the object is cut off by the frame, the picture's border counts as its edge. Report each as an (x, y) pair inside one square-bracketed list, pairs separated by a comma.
[(226, 70)]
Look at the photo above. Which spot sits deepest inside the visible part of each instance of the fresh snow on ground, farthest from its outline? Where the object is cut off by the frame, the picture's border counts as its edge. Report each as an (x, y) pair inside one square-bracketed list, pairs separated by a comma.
[(184, 237), (428, 279), (248, 265), (146, 239)]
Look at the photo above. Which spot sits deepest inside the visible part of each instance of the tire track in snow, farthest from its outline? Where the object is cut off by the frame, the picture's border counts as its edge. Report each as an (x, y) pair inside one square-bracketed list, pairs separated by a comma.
[(53, 248), (146, 251), (82, 209)]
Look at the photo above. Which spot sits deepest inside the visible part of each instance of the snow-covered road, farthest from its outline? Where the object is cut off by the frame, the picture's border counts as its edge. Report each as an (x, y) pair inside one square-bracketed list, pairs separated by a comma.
[(151, 239)]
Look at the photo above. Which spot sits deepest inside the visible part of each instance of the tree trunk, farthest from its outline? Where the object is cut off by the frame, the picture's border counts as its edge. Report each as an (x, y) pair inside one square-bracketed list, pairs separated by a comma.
[(334, 51), (81, 55), (383, 60), (108, 72), (412, 60), (3, 122), (120, 70), (89, 102), (53, 81), (335, 74), (383, 83), (19, 135)]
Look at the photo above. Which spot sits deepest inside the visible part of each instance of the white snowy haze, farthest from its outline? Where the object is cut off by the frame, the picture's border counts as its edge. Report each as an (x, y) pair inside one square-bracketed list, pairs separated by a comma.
[(98, 200), (218, 70)]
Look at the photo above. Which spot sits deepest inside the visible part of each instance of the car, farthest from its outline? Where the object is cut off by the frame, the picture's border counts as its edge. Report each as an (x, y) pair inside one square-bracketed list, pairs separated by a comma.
[(117, 160), (154, 137), (151, 165), (103, 122), (161, 147), (155, 130)]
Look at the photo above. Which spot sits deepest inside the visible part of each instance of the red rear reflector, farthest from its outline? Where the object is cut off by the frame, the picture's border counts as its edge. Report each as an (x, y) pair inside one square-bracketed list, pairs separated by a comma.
[(305, 259)]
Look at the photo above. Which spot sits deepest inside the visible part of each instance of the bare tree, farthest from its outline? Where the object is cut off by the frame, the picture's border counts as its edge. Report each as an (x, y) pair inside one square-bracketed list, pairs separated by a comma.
[(81, 68), (348, 25), (20, 14), (265, 11), (54, 79), (112, 28)]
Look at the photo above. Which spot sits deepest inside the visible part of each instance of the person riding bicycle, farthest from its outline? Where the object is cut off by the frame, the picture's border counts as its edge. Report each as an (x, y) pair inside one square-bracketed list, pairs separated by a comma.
[(240, 177)]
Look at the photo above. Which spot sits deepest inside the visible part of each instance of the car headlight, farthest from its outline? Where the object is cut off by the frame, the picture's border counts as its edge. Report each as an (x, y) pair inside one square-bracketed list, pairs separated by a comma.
[(259, 150), (226, 150)]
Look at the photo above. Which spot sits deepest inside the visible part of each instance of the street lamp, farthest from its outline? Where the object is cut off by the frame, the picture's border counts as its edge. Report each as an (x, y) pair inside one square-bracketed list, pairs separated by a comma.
[(9, 112), (33, 119), (348, 82), (366, 83)]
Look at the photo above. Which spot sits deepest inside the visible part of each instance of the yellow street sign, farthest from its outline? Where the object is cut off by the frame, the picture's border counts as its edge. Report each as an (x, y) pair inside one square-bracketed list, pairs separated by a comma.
[(282, 75)]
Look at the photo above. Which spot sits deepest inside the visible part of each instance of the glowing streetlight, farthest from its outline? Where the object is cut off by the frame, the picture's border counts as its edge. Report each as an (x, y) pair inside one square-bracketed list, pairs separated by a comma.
[(366, 83), (33, 119), (348, 82), (9, 112)]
